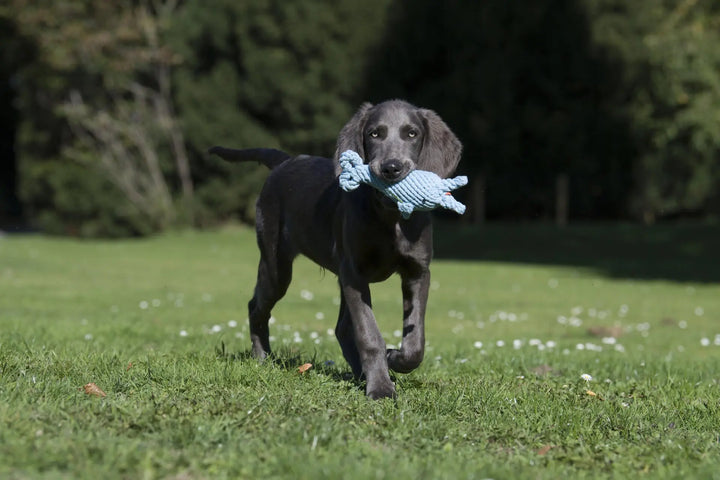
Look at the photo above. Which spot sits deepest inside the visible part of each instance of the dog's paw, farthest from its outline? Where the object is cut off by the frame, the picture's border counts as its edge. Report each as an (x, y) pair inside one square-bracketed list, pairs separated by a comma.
[(380, 390), (380, 394), (403, 362)]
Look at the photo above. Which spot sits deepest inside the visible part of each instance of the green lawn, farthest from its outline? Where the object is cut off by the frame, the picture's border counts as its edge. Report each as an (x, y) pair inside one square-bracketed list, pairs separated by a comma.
[(517, 314)]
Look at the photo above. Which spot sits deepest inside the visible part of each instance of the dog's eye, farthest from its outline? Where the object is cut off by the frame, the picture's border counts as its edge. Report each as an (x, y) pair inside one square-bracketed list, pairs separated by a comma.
[(374, 134), (412, 134)]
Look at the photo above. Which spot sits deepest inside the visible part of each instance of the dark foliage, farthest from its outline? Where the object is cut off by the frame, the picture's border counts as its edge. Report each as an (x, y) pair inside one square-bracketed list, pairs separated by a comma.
[(622, 97)]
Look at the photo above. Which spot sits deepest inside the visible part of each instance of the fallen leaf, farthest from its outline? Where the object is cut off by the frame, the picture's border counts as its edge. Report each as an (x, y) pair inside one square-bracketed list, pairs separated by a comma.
[(92, 389), (544, 449), (304, 367), (129, 366), (593, 394)]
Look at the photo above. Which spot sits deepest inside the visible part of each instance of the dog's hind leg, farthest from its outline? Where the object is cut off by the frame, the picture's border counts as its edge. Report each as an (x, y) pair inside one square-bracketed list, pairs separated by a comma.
[(273, 279)]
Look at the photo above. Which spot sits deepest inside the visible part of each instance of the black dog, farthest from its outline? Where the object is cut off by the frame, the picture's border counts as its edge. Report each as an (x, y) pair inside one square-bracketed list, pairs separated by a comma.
[(359, 235)]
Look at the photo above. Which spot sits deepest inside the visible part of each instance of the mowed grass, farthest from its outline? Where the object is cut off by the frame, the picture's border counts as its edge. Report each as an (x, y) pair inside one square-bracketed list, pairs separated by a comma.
[(517, 316)]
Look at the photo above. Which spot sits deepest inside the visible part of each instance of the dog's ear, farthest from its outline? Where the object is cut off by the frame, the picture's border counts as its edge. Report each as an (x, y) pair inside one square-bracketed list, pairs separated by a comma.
[(351, 135), (441, 148)]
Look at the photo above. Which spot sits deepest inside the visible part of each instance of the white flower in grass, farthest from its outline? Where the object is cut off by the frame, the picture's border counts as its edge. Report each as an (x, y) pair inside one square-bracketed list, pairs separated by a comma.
[(699, 311), (397, 333), (143, 305), (500, 343), (88, 336), (478, 344), (183, 333), (319, 316), (232, 324), (586, 376), (306, 295), (517, 344), (215, 329), (704, 341)]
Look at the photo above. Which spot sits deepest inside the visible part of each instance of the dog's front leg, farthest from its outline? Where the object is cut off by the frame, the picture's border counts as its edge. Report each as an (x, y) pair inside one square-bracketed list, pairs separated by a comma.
[(415, 287), (369, 341)]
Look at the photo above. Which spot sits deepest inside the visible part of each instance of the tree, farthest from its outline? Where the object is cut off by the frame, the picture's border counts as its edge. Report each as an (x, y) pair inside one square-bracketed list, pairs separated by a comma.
[(267, 73), (670, 53), (129, 125), (100, 86)]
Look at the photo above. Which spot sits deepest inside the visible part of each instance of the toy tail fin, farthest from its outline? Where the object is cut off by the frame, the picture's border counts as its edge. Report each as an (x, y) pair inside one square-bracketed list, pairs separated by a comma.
[(269, 157)]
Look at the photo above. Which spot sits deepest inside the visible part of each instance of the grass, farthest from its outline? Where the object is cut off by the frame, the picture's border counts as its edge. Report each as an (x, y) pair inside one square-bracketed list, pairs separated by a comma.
[(517, 314)]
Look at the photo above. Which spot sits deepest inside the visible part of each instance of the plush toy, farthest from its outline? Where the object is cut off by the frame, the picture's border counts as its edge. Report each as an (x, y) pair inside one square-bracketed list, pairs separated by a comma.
[(419, 190)]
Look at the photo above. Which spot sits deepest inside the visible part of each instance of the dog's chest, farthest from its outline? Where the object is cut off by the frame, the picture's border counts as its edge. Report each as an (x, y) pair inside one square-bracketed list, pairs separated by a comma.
[(376, 262)]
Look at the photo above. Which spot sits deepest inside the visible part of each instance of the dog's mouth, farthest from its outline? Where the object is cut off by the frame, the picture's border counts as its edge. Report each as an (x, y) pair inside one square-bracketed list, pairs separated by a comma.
[(391, 170)]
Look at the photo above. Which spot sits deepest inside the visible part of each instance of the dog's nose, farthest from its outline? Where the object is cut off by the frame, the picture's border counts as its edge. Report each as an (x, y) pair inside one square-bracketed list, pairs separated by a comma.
[(391, 169)]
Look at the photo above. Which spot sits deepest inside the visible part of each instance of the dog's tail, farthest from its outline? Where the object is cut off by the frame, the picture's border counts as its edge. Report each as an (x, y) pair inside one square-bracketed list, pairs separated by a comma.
[(269, 157)]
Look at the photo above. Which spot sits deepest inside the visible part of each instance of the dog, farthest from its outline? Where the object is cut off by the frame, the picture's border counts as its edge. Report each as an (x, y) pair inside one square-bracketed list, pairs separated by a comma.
[(360, 235)]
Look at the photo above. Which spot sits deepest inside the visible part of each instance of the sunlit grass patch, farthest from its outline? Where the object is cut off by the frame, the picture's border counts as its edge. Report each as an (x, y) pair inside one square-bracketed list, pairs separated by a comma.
[(532, 369)]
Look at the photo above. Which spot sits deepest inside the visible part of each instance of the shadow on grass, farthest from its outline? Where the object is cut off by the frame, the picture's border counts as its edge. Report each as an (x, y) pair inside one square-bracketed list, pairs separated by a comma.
[(675, 252), (291, 360)]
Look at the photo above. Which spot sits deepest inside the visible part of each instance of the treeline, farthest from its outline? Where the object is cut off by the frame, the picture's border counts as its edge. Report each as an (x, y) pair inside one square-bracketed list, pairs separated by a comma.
[(110, 106)]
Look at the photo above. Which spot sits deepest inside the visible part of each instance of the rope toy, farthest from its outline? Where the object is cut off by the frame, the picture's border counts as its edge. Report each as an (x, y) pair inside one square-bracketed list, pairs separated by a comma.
[(419, 190)]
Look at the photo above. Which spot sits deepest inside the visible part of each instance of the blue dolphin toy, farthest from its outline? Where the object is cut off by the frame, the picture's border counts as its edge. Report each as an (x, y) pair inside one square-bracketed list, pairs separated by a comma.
[(419, 190)]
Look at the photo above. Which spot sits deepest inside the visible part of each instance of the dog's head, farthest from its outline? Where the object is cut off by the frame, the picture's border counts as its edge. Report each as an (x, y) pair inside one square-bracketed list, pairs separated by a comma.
[(394, 138)]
